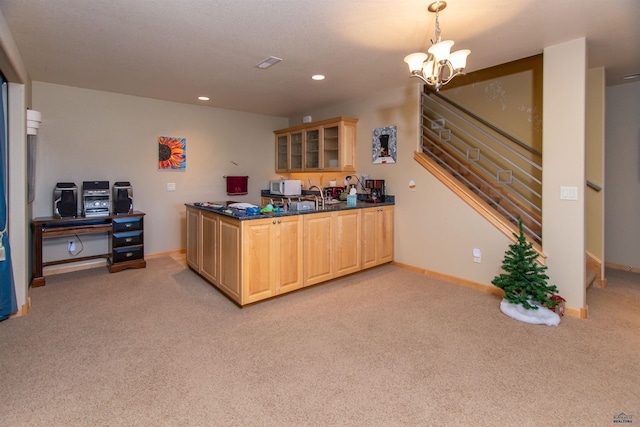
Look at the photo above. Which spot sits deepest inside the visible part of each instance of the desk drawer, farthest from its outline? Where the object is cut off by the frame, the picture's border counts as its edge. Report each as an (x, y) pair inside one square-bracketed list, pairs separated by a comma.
[(127, 224), (129, 253), (127, 239)]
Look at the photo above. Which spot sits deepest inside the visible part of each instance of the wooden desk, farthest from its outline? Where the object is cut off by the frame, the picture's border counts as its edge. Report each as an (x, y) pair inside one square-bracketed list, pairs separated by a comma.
[(126, 246)]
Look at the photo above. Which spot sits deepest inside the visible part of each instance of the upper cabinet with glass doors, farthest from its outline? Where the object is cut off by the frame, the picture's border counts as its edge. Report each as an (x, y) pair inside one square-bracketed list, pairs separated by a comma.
[(289, 153), (327, 145)]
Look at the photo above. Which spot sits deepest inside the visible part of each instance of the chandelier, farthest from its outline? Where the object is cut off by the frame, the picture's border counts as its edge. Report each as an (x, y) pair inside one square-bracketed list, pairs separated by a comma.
[(439, 66)]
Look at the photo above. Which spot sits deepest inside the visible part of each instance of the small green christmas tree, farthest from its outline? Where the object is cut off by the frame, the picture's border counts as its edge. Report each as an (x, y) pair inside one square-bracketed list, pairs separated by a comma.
[(525, 280)]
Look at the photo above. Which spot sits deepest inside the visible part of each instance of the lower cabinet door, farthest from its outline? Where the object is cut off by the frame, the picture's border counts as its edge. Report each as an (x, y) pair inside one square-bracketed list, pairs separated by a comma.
[(318, 233), (209, 261), (288, 250), (346, 253), (229, 275), (369, 236), (258, 245), (194, 236), (377, 236), (271, 257)]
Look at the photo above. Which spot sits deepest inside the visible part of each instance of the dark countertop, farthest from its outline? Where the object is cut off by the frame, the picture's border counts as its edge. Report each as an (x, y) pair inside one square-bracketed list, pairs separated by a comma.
[(222, 208)]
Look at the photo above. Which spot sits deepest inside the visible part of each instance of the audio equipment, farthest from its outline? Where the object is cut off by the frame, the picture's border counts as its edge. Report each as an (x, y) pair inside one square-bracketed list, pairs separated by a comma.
[(122, 197), (96, 198), (65, 200)]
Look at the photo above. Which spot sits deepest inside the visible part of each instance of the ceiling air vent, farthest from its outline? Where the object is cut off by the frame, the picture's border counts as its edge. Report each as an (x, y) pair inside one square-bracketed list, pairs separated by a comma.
[(268, 62)]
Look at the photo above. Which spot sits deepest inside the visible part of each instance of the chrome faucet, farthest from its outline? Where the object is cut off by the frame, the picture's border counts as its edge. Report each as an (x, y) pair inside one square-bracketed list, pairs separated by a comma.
[(321, 195)]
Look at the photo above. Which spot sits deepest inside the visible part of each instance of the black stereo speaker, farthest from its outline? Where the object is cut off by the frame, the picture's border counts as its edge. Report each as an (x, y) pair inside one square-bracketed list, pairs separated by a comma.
[(122, 197), (65, 200)]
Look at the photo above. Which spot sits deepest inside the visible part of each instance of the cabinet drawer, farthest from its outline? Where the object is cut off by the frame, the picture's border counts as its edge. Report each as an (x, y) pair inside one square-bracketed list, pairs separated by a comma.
[(128, 254), (127, 224), (127, 239)]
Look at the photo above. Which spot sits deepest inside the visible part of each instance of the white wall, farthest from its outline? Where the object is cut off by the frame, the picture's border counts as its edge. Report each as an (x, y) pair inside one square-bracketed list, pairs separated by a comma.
[(622, 174), (90, 135), (563, 162)]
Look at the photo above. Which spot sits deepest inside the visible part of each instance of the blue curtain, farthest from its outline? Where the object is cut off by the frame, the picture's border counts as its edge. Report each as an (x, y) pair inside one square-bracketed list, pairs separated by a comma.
[(8, 304)]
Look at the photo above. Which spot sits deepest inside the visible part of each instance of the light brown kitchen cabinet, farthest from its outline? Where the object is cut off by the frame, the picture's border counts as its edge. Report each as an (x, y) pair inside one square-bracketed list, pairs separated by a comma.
[(258, 258), (271, 257), (202, 237), (312, 149), (194, 238), (327, 145), (347, 243), (229, 258), (331, 245), (377, 236), (209, 262), (207, 234), (318, 238)]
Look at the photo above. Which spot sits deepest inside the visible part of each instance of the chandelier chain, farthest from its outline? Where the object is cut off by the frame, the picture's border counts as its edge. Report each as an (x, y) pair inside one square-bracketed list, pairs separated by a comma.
[(438, 23)]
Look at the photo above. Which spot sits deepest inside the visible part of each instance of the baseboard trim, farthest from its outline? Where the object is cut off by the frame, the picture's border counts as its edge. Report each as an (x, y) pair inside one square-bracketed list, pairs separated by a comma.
[(580, 313), (453, 279), (622, 267), (172, 254), (22, 311)]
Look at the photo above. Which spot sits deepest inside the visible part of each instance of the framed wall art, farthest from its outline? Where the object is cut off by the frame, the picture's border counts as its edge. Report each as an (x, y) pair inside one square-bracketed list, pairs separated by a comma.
[(172, 153), (384, 145)]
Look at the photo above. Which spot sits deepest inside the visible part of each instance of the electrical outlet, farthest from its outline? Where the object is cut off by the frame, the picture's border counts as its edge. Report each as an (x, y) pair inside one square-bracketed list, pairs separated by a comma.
[(71, 246)]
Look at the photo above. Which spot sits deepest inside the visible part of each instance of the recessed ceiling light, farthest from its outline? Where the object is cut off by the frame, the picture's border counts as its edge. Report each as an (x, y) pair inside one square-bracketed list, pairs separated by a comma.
[(203, 98), (317, 77), (631, 76)]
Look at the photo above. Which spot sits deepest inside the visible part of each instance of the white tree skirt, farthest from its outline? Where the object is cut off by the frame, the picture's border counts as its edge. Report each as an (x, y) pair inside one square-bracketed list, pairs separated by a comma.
[(541, 316)]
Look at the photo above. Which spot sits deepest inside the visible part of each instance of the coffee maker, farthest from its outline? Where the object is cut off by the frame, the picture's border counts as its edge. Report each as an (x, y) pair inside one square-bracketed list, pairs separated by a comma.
[(375, 189), (335, 192)]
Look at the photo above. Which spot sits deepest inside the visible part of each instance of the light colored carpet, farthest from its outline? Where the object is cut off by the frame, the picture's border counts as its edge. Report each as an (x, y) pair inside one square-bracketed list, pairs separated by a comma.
[(387, 347)]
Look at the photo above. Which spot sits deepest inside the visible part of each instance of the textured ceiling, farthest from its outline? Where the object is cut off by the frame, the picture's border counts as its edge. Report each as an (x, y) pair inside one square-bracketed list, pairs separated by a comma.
[(178, 50)]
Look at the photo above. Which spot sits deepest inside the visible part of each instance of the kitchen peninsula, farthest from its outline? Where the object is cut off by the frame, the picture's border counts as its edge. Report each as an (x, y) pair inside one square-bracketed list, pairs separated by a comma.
[(254, 257)]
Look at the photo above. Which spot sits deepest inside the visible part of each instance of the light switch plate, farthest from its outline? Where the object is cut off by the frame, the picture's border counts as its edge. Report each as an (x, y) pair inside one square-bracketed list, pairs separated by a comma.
[(171, 186), (568, 193)]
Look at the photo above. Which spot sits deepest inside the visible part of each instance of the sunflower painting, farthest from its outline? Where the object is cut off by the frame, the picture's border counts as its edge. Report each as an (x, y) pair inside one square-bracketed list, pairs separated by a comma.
[(172, 153)]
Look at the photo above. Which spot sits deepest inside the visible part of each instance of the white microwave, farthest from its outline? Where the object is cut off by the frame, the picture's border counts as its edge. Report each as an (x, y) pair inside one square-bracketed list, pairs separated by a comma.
[(286, 187)]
